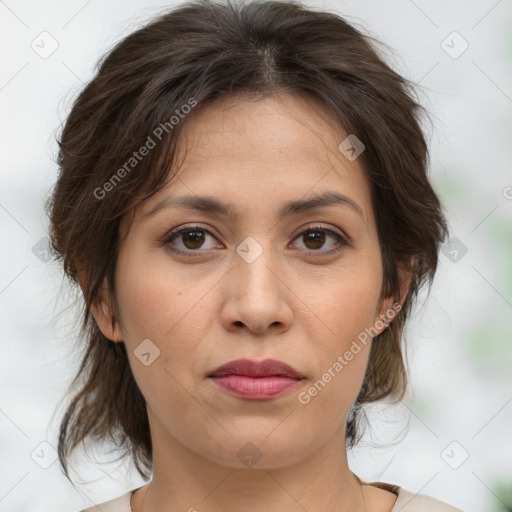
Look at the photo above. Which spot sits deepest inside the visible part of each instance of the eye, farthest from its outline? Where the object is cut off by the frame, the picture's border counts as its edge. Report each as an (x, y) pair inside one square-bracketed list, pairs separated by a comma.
[(315, 237), (189, 238)]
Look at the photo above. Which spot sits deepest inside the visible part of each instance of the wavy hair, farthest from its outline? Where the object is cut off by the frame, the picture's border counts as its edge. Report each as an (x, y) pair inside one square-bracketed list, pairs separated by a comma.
[(203, 50)]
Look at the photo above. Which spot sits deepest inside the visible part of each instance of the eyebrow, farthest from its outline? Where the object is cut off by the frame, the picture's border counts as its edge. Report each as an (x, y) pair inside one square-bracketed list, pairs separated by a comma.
[(212, 205)]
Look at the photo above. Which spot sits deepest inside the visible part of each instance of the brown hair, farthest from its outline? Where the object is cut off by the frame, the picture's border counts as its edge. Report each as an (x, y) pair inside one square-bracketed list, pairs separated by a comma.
[(200, 51)]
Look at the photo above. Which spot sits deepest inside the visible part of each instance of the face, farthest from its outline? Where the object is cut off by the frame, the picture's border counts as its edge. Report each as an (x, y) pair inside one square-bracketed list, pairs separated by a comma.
[(298, 285)]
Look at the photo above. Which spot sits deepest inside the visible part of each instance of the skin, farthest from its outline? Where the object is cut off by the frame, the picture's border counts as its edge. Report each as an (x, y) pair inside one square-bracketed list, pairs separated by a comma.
[(295, 302)]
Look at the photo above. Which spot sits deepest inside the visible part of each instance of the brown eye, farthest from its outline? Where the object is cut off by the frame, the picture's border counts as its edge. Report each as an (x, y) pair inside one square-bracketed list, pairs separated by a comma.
[(314, 238), (189, 240), (193, 239)]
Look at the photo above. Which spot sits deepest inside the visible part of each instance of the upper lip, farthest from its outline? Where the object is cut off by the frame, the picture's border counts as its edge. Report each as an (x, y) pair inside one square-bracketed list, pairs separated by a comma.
[(250, 368)]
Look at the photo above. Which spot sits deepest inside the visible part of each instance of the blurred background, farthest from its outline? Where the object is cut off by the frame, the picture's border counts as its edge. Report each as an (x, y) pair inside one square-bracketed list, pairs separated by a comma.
[(451, 438)]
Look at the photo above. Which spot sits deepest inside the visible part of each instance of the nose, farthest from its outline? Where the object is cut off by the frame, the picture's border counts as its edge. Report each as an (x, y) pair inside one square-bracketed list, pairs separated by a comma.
[(257, 295)]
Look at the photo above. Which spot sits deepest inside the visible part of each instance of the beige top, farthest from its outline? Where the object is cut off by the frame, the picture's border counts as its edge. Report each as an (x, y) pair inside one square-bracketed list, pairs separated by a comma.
[(406, 502)]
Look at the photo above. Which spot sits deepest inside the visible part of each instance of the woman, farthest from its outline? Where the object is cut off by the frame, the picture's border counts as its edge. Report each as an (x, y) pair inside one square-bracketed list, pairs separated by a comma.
[(244, 202)]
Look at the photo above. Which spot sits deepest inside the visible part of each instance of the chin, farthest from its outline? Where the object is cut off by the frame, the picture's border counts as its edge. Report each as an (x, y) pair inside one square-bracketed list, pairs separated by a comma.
[(269, 447)]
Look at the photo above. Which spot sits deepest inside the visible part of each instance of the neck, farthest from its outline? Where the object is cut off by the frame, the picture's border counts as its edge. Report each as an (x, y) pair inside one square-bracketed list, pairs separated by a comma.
[(185, 480)]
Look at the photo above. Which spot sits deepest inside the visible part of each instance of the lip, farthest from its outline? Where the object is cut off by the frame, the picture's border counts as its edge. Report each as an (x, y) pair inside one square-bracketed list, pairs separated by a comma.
[(264, 368), (256, 380)]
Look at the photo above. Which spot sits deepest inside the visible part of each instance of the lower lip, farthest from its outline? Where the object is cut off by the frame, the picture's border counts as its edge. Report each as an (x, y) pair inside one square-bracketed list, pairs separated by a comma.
[(254, 388)]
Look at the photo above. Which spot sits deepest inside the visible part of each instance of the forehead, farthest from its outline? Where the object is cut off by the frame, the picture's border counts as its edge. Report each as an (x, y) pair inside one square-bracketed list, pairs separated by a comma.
[(264, 150), (285, 125)]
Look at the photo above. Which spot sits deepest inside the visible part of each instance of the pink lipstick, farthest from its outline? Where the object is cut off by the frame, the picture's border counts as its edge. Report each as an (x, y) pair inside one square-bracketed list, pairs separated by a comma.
[(255, 380)]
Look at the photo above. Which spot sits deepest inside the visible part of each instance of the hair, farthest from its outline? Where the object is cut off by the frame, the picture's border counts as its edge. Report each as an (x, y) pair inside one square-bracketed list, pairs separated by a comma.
[(192, 55)]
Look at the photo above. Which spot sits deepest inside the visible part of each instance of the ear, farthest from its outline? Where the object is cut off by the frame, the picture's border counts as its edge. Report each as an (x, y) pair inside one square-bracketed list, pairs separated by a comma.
[(390, 306), (103, 311)]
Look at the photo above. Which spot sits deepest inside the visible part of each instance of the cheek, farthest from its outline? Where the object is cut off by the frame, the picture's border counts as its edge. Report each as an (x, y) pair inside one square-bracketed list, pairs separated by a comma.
[(153, 300), (347, 300), (341, 342), (162, 305)]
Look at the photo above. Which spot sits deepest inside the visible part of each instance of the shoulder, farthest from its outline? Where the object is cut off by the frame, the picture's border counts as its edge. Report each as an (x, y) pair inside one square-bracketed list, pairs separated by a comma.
[(410, 502), (119, 504), (406, 502)]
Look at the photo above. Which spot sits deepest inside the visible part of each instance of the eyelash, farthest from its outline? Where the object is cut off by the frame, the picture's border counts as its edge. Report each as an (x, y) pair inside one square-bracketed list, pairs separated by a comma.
[(169, 237)]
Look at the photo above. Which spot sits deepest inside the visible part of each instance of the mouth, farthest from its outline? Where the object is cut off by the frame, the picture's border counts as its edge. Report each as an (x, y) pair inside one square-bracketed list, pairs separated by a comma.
[(255, 380), (257, 369)]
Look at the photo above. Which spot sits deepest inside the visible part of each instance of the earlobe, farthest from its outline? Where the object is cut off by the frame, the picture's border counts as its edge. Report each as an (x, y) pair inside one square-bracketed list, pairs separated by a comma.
[(391, 306), (103, 312), (105, 317), (388, 311)]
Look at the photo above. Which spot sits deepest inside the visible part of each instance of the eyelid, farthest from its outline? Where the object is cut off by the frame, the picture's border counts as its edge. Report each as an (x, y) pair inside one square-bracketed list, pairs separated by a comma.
[(166, 239), (342, 238), (321, 227)]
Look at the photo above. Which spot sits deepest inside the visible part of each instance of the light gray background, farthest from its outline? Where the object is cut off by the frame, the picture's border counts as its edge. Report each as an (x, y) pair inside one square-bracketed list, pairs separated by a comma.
[(460, 350)]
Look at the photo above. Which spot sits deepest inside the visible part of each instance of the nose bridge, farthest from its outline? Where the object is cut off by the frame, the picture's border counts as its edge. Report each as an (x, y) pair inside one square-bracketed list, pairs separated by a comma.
[(254, 269), (258, 299)]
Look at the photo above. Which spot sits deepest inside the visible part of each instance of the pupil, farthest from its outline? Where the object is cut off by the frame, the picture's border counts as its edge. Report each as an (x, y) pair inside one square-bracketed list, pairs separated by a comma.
[(315, 237), (196, 239)]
